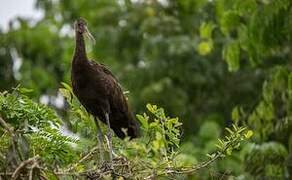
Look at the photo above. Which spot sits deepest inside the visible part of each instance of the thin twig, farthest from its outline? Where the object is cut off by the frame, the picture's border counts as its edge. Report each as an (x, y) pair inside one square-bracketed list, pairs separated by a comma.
[(6, 173), (83, 158), (31, 170), (88, 154), (202, 165), (30, 174), (184, 171), (22, 165)]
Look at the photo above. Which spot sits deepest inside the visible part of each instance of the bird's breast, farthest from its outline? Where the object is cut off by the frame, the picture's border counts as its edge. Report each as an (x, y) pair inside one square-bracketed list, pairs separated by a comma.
[(88, 86)]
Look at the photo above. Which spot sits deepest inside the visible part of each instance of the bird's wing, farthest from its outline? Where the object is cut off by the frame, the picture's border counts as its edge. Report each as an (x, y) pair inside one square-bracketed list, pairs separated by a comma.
[(117, 99), (114, 89), (103, 67)]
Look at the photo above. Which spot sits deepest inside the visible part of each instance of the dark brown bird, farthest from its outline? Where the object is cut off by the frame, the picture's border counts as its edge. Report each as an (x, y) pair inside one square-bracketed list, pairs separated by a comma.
[(98, 90)]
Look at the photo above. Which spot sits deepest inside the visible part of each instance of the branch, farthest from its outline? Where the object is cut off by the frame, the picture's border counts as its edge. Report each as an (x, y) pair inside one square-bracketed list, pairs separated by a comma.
[(22, 165), (6, 126), (83, 158), (34, 165), (185, 170)]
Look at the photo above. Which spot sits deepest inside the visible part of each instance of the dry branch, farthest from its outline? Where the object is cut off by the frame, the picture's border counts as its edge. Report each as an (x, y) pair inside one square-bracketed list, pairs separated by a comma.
[(22, 165)]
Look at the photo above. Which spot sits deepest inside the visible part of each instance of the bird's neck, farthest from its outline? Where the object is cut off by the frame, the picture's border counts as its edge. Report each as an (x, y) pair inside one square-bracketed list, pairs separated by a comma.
[(80, 50)]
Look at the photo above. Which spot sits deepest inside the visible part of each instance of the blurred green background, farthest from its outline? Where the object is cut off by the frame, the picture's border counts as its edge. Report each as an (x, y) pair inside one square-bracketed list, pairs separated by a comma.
[(208, 62)]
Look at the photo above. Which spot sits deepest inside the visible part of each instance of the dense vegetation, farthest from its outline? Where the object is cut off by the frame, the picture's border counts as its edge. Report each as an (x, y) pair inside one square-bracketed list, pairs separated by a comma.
[(213, 64)]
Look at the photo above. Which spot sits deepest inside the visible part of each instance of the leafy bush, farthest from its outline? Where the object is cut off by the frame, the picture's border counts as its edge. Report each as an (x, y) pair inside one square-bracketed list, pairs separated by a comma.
[(31, 129), (33, 145)]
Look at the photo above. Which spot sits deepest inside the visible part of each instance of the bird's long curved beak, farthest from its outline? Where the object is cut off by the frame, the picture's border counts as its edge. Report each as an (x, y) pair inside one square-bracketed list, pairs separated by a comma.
[(89, 35)]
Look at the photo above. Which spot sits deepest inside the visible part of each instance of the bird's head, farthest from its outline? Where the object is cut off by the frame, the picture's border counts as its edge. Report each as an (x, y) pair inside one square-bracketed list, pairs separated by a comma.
[(80, 26)]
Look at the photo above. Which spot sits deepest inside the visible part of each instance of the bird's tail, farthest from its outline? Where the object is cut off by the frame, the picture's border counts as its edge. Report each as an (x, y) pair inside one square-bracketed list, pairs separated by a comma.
[(129, 128)]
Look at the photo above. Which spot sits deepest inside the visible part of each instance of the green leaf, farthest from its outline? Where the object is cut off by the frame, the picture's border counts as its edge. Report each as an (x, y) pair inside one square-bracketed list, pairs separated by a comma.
[(151, 108), (248, 134), (235, 115), (206, 29), (67, 86), (229, 21), (211, 155), (229, 151), (25, 90), (205, 47), (66, 93), (229, 130), (231, 53), (219, 146), (143, 121)]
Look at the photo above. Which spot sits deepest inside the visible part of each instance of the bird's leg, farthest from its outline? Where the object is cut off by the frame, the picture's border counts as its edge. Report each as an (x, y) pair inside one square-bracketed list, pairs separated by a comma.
[(109, 137), (99, 138)]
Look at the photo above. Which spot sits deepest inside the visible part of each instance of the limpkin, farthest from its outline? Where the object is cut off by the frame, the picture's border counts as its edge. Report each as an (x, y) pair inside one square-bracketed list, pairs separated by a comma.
[(99, 92)]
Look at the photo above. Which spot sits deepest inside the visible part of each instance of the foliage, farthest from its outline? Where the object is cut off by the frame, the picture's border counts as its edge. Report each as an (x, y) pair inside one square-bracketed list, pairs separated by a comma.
[(33, 129), (271, 122), (258, 28), (272, 158), (77, 119), (30, 129)]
